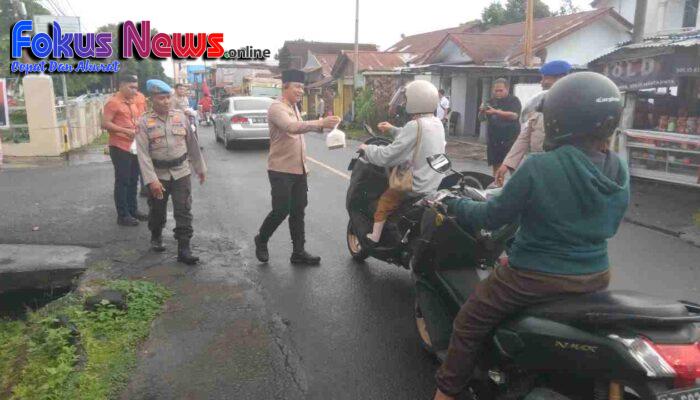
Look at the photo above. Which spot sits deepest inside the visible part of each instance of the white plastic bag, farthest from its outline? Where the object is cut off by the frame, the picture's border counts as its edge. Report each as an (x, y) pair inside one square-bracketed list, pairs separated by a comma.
[(335, 139)]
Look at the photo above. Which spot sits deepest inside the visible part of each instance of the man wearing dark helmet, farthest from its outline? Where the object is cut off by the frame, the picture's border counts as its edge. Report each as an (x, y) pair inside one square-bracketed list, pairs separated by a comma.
[(569, 201)]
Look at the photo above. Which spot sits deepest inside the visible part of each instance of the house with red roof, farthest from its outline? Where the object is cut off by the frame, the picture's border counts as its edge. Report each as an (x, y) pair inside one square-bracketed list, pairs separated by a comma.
[(465, 63)]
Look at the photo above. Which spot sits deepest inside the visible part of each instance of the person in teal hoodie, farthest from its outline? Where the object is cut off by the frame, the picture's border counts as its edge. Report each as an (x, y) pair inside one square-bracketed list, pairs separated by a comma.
[(569, 201)]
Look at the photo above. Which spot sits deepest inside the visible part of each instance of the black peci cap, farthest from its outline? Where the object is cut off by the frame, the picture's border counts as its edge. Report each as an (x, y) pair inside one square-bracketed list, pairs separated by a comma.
[(293, 75)]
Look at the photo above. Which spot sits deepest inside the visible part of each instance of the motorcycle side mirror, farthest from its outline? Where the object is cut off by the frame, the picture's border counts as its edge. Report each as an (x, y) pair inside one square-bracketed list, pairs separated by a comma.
[(440, 163)]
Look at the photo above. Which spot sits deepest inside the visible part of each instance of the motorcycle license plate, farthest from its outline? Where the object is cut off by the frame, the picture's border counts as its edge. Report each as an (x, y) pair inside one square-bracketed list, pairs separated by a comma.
[(684, 394)]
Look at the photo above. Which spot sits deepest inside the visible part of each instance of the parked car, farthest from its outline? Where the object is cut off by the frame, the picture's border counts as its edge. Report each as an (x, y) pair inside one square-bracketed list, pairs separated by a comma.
[(240, 118)]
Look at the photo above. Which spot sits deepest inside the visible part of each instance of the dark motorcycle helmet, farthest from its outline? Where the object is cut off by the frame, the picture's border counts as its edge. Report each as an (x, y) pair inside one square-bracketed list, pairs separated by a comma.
[(580, 105)]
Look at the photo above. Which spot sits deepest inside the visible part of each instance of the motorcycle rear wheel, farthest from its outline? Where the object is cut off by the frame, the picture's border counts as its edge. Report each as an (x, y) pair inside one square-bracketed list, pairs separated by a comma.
[(357, 252)]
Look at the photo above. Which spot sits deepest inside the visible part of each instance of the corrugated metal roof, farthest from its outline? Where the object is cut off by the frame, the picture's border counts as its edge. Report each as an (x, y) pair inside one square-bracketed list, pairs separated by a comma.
[(681, 38)]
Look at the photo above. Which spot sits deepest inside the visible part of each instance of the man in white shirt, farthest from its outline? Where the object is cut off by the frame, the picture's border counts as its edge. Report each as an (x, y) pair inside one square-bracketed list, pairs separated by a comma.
[(443, 107)]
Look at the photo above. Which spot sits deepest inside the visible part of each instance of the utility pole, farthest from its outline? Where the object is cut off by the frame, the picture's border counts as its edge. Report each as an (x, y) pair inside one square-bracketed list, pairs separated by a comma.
[(357, 55), (640, 15), (529, 15)]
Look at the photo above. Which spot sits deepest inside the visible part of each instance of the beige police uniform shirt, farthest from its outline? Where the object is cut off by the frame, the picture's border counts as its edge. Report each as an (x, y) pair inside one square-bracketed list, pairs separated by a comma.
[(530, 140), (169, 138), (287, 145)]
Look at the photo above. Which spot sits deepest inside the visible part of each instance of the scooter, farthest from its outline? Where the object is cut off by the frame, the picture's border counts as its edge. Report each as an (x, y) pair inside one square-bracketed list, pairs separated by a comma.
[(604, 345), (367, 183)]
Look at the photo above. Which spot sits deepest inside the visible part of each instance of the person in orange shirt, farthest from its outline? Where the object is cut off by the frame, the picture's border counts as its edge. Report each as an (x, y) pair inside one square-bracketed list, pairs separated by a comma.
[(142, 106), (140, 101), (119, 117)]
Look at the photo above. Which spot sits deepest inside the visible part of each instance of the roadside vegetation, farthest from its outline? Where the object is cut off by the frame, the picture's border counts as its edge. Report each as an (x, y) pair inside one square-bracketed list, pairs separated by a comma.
[(63, 351)]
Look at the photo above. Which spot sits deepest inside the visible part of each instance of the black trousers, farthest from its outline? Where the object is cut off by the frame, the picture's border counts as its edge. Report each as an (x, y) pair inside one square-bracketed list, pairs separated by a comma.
[(181, 192), (126, 175), (288, 199), (506, 291)]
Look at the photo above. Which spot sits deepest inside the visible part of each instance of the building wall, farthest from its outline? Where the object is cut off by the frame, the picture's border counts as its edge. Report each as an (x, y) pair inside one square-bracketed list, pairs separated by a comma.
[(661, 14), (472, 105), (459, 99), (598, 37)]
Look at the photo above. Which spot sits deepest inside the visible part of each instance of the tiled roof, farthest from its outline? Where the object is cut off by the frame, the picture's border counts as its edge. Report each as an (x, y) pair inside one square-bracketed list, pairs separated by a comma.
[(483, 48), (299, 49), (372, 60), (422, 43), (505, 43), (550, 29), (327, 61)]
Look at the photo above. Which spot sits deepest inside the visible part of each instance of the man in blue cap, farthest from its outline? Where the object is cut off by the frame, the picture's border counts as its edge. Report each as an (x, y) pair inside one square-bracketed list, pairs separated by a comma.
[(167, 151), (531, 137)]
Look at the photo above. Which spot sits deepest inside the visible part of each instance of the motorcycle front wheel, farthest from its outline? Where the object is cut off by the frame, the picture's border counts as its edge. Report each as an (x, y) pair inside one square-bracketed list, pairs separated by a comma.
[(357, 252)]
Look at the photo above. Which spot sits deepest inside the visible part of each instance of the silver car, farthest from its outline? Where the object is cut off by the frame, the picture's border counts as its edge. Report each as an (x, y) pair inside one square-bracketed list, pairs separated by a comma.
[(240, 119)]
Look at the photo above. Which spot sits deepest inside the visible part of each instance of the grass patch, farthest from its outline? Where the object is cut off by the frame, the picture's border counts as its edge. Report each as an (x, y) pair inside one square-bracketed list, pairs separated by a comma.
[(65, 352)]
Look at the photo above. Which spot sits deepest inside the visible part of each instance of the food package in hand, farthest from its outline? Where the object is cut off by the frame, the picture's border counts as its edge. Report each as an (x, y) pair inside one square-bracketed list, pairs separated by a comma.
[(335, 139)]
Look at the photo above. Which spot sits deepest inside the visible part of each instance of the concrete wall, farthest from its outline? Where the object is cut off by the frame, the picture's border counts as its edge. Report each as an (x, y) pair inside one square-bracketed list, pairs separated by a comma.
[(472, 106), (459, 99), (44, 132), (598, 38), (50, 135)]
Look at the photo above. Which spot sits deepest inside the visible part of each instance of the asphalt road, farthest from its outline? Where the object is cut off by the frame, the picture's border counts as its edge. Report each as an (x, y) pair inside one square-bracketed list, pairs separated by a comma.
[(340, 330), (352, 324)]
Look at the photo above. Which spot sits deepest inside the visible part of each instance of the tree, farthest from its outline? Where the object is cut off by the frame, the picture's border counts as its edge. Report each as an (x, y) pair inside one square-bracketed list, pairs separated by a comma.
[(567, 7), (514, 11), (493, 15), (284, 58), (8, 16)]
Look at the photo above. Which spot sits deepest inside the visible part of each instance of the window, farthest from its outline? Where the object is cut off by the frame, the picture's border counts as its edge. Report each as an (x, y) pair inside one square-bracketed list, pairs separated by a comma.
[(251, 104)]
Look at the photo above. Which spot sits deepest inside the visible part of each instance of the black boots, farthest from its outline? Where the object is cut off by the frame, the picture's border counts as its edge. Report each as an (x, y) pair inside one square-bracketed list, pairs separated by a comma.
[(184, 254), (302, 257), (299, 255), (261, 252), (157, 242)]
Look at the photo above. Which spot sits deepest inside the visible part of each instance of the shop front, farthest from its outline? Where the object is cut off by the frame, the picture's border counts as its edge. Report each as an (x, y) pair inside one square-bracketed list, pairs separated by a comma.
[(659, 135)]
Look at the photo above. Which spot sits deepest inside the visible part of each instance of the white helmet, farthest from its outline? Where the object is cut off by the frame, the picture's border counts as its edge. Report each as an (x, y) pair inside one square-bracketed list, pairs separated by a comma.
[(418, 97)]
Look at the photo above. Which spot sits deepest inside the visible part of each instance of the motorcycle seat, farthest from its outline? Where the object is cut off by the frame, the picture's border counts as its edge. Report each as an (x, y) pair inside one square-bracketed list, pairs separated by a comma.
[(614, 306)]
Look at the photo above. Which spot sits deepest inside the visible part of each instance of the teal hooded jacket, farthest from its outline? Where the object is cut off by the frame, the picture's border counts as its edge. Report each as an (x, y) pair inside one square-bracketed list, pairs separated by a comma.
[(568, 204)]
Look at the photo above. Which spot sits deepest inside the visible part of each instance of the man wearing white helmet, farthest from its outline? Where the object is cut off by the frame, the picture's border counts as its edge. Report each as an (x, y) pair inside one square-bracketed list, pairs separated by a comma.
[(423, 136)]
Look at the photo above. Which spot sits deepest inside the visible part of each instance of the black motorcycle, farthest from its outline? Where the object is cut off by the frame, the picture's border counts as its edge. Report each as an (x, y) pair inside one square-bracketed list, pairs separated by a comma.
[(604, 345), (367, 183)]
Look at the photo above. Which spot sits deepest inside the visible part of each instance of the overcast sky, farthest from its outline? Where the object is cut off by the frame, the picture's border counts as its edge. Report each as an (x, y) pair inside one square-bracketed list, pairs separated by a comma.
[(267, 24)]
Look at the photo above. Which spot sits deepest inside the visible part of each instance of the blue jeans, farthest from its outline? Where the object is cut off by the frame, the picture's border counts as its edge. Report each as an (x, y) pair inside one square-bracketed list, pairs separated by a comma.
[(126, 175)]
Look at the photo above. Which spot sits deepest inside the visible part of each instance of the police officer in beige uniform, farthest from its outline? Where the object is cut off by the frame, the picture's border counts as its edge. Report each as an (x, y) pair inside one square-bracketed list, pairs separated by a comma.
[(166, 148), (287, 169), (531, 137)]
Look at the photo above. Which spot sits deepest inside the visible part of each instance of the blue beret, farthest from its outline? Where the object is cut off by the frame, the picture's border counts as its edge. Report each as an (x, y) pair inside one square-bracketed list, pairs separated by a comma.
[(555, 68), (156, 86)]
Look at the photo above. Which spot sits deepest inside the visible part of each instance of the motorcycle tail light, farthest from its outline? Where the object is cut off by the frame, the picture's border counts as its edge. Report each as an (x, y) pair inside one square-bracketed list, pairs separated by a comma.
[(684, 359), (239, 120), (643, 351)]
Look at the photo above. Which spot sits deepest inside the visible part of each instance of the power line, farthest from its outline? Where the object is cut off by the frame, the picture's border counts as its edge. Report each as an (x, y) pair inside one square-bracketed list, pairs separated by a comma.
[(70, 6)]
